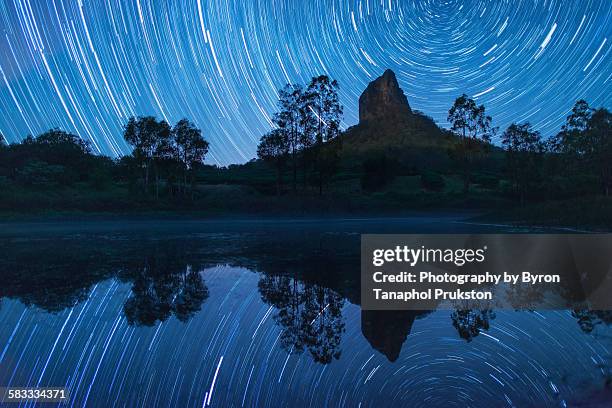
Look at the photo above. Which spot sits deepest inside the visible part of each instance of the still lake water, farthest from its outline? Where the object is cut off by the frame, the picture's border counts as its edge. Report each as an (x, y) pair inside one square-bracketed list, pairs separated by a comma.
[(257, 313)]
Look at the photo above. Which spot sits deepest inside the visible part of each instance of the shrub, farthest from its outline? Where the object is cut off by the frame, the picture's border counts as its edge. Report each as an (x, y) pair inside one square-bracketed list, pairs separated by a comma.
[(39, 173), (560, 187), (432, 181), (378, 171), (486, 181)]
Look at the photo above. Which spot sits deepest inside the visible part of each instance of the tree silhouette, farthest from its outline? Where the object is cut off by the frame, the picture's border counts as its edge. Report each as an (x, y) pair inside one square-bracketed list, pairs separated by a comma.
[(156, 295), (149, 138), (308, 122), (65, 143), (52, 159), (191, 147), (571, 140), (191, 294), (323, 324), (600, 141), (285, 294), (584, 143), (274, 147), (589, 319), (322, 106), (289, 119), (470, 122), (524, 148), (469, 323), (310, 316), (149, 302)]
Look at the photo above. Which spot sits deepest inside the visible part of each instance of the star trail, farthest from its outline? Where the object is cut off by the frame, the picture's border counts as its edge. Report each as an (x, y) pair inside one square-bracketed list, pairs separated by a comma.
[(89, 314), (86, 66), (229, 355)]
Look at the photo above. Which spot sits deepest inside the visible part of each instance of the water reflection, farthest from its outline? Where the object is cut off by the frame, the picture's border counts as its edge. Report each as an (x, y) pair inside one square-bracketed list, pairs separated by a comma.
[(277, 322), (469, 323), (387, 330), (310, 316), (155, 297), (165, 280), (588, 320)]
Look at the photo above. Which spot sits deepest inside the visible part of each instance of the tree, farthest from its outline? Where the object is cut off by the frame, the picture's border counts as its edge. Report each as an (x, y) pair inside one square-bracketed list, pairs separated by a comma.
[(289, 118), (310, 316), (584, 143), (589, 319), (164, 283), (192, 292), (470, 122), (148, 137), (191, 148), (469, 323), (571, 141), (324, 324), (57, 138), (56, 147), (322, 106), (274, 148), (600, 142), (310, 120), (524, 148)]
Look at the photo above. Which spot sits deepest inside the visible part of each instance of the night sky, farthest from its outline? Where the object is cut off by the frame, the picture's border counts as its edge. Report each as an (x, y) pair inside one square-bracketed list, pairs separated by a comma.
[(86, 66)]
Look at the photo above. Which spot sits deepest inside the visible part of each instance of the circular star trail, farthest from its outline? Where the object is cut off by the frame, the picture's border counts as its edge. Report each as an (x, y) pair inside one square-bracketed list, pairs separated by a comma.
[(86, 66), (229, 355)]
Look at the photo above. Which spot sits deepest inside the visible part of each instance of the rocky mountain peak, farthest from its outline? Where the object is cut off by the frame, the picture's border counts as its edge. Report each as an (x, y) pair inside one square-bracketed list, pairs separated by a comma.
[(383, 100)]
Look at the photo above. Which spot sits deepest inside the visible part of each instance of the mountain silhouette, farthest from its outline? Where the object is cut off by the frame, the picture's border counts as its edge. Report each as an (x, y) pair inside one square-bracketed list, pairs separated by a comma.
[(388, 123), (384, 100), (387, 330)]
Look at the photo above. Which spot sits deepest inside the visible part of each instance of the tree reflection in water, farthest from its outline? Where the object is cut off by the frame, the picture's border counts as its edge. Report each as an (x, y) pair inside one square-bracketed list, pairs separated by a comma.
[(157, 297), (310, 316), (589, 319), (470, 322), (166, 279)]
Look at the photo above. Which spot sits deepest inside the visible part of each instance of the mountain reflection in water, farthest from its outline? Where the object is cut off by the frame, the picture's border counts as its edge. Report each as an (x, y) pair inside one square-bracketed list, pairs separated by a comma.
[(253, 318)]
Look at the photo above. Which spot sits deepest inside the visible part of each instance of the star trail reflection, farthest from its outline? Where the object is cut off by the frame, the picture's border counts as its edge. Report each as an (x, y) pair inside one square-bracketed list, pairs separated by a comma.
[(85, 66), (229, 355), (173, 320)]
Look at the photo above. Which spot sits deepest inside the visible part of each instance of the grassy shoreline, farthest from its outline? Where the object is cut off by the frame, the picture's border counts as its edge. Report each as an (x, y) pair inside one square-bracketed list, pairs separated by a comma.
[(227, 202), (547, 215), (588, 213)]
